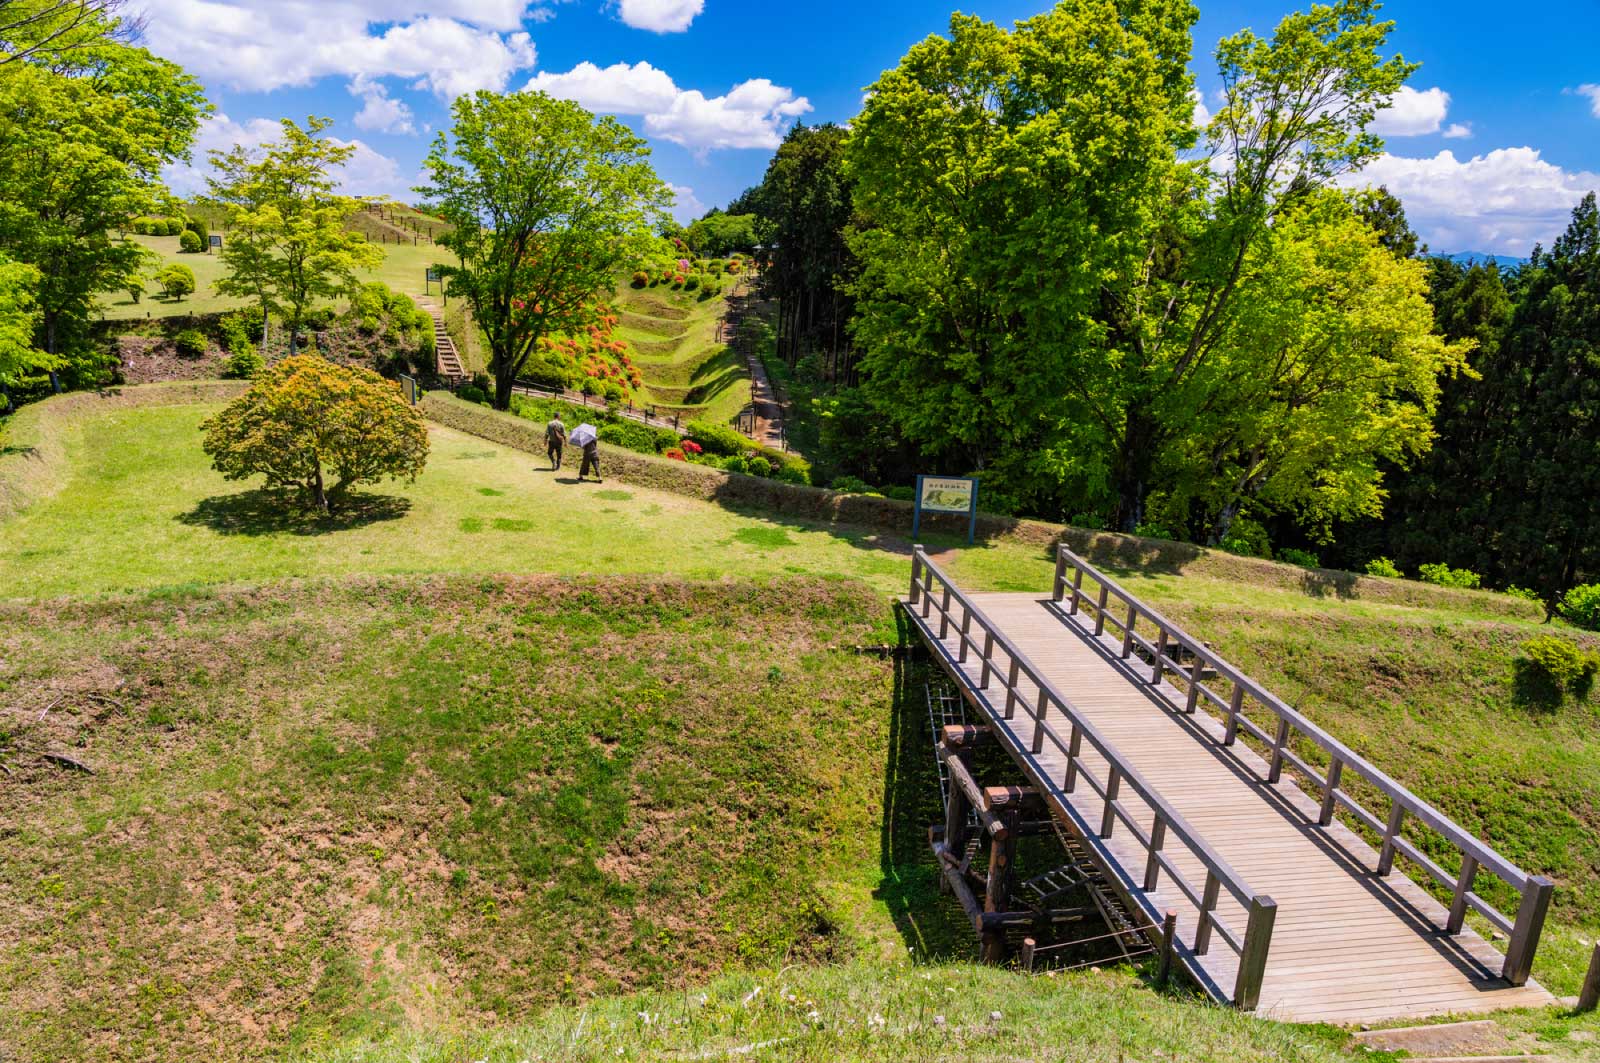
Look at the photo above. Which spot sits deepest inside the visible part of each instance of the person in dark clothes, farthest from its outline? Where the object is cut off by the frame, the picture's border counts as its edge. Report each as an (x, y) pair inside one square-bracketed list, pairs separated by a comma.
[(555, 440), (591, 460)]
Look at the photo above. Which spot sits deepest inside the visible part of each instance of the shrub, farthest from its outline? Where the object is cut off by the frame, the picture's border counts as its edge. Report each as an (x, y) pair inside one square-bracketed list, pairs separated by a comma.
[(198, 227), (240, 329), (190, 343), (790, 473), (1525, 593), (626, 433), (176, 281), (901, 492), (734, 463), (1382, 566), (1581, 606), (473, 393), (243, 364), (305, 422), (640, 278), (1247, 537), (1549, 666), (760, 467), (675, 454), (1445, 576), (1304, 558), (173, 226), (692, 282), (717, 438), (189, 242), (134, 286), (613, 391), (852, 485)]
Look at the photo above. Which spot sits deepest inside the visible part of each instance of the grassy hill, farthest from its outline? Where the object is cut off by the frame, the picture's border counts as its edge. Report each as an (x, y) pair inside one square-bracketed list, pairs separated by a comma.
[(421, 783), (687, 368)]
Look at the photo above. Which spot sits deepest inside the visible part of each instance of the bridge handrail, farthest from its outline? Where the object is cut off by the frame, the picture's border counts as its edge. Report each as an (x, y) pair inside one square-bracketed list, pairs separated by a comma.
[(1535, 890), (1261, 910)]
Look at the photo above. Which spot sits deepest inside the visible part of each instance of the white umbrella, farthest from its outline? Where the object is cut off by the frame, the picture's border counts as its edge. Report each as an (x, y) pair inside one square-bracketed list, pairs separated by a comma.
[(582, 435)]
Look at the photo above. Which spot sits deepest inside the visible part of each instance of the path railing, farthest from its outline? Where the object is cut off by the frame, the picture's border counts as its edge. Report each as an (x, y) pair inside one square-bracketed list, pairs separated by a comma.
[(642, 414), (1112, 606), (1002, 663)]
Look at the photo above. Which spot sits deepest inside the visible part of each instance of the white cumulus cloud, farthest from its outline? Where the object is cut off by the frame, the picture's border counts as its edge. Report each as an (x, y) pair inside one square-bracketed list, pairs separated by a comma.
[(1458, 131), (660, 16), (447, 46), (368, 172), (1593, 92), (1502, 202), (380, 111), (753, 114), (1412, 113), (686, 206)]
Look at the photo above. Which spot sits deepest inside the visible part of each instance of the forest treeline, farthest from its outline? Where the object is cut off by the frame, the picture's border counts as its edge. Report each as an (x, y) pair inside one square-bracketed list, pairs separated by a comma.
[(1033, 259)]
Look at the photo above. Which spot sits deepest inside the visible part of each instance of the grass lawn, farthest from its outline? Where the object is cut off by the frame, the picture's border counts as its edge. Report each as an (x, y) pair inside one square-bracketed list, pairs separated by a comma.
[(687, 369)]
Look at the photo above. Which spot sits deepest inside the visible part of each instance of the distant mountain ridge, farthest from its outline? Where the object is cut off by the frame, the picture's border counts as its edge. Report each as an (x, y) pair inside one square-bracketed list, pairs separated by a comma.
[(1469, 257)]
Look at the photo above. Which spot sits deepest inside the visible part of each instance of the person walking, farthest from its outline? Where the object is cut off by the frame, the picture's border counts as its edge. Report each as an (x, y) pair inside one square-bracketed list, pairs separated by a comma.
[(586, 437), (555, 441)]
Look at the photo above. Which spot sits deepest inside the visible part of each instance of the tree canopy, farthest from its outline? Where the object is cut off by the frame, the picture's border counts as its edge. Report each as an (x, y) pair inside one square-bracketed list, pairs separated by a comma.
[(547, 204)]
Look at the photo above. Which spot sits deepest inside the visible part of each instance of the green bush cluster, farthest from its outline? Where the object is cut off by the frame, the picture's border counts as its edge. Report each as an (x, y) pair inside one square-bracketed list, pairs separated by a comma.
[(718, 439), (1382, 566), (1304, 558), (145, 226), (1581, 606), (1444, 576), (243, 364), (473, 393), (1527, 594), (190, 343), (1549, 667), (176, 281), (239, 329), (640, 278), (1247, 537)]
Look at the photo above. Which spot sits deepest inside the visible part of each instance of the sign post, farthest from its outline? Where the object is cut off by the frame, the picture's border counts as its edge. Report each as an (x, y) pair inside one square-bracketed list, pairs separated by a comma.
[(947, 494), (214, 243), (408, 384), (428, 279)]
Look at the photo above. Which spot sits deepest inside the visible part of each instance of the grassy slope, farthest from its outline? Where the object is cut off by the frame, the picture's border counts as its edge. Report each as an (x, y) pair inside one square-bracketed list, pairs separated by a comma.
[(686, 368), (320, 810), (403, 269)]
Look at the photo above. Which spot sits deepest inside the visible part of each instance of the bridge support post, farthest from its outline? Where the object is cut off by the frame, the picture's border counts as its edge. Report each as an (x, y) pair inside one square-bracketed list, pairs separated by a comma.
[(1253, 959), (1589, 998), (1525, 933)]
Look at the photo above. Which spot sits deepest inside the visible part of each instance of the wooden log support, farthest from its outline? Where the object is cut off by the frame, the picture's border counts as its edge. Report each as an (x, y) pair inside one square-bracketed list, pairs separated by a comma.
[(997, 889), (960, 736), (1169, 938), (1589, 995), (1028, 946), (1525, 932)]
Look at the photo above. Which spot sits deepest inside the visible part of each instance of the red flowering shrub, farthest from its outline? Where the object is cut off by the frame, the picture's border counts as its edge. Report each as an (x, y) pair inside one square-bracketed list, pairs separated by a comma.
[(675, 454), (692, 447)]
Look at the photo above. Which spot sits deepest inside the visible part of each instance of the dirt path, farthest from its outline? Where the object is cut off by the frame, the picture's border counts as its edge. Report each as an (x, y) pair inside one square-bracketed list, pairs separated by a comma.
[(768, 410)]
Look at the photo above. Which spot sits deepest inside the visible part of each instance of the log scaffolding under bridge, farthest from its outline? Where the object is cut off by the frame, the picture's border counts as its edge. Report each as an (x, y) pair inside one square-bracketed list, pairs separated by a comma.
[(1230, 827)]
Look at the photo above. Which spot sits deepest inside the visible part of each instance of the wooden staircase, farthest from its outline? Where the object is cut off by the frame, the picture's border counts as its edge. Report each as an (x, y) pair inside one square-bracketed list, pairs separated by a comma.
[(447, 360)]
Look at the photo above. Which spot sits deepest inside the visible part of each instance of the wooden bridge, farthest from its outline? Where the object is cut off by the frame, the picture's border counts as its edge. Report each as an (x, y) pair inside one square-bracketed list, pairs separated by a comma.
[(1200, 794)]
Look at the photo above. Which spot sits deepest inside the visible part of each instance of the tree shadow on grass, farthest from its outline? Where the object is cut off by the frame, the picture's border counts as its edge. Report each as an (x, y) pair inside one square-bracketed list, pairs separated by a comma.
[(267, 511)]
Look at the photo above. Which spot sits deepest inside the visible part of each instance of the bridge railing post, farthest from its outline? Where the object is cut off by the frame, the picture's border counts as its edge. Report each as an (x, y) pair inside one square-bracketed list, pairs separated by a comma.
[(1253, 958), (916, 573), (1525, 932), (1058, 585)]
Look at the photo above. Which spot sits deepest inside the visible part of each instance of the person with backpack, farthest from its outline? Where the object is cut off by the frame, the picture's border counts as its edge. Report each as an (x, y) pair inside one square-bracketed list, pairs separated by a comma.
[(555, 441)]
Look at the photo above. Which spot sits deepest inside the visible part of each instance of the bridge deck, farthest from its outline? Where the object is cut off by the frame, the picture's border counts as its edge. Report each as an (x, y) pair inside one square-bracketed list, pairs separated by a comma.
[(1348, 946)]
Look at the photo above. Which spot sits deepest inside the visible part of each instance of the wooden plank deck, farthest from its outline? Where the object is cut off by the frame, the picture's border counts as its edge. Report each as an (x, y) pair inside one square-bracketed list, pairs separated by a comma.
[(1347, 946)]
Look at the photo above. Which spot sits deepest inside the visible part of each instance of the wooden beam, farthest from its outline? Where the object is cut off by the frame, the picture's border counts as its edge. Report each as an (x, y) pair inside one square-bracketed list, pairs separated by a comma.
[(966, 735)]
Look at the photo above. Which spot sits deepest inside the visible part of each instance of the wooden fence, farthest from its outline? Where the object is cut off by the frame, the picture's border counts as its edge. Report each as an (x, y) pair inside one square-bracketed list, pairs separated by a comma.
[(1000, 661), (1163, 647)]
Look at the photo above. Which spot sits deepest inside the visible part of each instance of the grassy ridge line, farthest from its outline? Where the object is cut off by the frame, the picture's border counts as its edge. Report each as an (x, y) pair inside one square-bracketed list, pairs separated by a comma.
[(1101, 548), (33, 463)]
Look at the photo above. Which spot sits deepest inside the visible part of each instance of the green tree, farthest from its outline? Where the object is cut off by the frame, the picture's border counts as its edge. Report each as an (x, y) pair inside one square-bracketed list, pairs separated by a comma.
[(548, 205), (52, 32), (177, 281), (717, 234), (1386, 215), (86, 130), (19, 314), (288, 246), (1002, 176), (305, 420)]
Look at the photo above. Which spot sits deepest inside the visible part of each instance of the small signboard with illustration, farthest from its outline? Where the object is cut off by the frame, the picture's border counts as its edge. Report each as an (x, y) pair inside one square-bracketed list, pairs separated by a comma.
[(408, 384), (947, 494)]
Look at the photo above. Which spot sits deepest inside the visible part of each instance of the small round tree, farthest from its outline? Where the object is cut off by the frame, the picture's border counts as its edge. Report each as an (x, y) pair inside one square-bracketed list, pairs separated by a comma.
[(306, 421), (176, 281)]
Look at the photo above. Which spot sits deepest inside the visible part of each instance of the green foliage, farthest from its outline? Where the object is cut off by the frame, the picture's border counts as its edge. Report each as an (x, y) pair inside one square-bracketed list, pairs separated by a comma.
[(1441, 575), (473, 393), (239, 329), (1382, 566), (1581, 606), (190, 343), (1248, 537), (718, 438), (288, 246), (1548, 667), (640, 278), (177, 281), (692, 282), (243, 364), (305, 415), (851, 485), (1524, 593), (19, 317), (1304, 558), (189, 242), (173, 227), (199, 227), (717, 233), (573, 198)]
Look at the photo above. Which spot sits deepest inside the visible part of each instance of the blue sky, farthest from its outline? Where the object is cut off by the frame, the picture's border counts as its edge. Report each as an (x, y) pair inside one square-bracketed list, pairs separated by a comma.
[(1490, 146)]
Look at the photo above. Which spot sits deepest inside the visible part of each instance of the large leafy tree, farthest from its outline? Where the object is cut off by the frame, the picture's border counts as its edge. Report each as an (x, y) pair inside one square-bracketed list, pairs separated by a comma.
[(19, 314), (1003, 177), (547, 204), (305, 421), (48, 32), (84, 133), (722, 232), (288, 247)]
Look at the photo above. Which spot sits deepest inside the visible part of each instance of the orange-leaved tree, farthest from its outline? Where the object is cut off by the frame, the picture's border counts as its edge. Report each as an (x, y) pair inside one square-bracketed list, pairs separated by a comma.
[(306, 421)]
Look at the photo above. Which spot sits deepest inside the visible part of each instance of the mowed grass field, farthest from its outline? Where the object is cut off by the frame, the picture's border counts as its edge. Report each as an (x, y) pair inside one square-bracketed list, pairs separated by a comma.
[(434, 780)]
